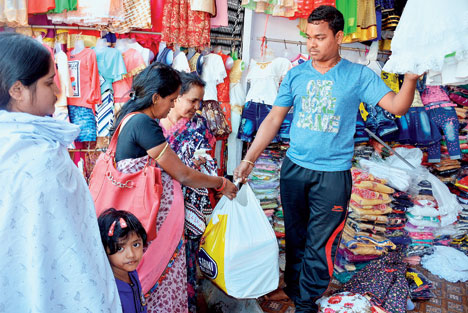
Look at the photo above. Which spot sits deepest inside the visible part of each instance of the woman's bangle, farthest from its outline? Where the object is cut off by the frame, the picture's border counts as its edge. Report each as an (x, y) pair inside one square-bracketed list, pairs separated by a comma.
[(223, 185), (247, 161)]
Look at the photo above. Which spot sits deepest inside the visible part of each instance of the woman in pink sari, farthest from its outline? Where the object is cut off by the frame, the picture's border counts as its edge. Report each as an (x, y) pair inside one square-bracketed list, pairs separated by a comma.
[(162, 270), (188, 135)]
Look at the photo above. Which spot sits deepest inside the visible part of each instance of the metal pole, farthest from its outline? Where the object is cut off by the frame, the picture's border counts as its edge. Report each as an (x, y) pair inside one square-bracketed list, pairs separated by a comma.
[(388, 147)]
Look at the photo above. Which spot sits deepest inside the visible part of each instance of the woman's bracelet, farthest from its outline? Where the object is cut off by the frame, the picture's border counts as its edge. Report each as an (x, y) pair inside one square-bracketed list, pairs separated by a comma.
[(223, 185), (247, 161)]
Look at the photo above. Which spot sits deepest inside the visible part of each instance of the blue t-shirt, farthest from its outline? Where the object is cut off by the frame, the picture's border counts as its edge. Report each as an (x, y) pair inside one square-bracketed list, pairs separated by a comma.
[(325, 110)]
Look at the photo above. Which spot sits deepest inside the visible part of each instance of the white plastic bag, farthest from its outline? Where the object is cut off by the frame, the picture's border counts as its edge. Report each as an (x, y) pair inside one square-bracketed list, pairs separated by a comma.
[(240, 251)]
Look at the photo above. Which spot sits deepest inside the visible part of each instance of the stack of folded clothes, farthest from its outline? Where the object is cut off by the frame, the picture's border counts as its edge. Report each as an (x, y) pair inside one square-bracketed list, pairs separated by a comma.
[(420, 286), (397, 218), (447, 169), (459, 94), (363, 237), (422, 221), (264, 180)]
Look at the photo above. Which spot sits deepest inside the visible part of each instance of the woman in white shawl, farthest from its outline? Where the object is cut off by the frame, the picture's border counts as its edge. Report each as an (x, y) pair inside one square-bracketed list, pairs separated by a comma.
[(52, 258)]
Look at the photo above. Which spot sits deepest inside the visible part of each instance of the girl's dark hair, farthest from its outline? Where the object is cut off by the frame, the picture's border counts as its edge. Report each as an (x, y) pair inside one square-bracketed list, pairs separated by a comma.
[(329, 14), (105, 221), (158, 78), (21, 59), (189, 80)]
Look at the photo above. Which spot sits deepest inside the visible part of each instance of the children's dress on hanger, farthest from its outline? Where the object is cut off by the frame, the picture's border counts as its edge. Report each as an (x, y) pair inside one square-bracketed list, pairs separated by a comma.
[(432, 36)]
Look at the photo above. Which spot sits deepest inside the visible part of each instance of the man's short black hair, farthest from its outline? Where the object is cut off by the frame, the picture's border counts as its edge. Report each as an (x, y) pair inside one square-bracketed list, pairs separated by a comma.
[(329, 14)]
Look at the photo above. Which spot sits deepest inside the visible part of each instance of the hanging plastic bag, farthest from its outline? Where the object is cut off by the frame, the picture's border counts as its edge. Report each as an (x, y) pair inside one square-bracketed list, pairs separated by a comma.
[(239, 251)]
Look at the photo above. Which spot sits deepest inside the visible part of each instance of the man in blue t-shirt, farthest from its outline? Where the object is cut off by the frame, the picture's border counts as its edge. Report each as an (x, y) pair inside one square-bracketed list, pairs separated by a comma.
[(325, 94)]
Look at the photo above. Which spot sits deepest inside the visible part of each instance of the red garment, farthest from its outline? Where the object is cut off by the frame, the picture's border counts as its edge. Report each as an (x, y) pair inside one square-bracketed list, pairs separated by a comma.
[(223, 92), (134, 64), (147, 41), (84, 77), (40, 6), (223, 88), (183, 26), (157, 7), (305, 7)]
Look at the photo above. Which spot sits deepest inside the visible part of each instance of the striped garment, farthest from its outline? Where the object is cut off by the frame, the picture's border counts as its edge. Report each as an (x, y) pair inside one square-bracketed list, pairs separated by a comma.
[(105, 113)]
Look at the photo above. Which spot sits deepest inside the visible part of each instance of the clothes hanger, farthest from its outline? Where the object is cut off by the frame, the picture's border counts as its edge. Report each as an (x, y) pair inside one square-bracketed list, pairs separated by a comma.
[(286, 53)]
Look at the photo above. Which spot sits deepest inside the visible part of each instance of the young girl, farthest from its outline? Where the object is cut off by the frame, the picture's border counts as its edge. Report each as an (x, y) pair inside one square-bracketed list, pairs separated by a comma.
[(123, 238)]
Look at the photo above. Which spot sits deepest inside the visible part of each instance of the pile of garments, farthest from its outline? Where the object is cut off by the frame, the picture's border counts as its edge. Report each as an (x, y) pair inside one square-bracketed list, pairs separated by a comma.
[(460, 187), (420, 286), (423, 220), (447, 169), (459, 94), (397, 219), (265, 182), (363, 237)]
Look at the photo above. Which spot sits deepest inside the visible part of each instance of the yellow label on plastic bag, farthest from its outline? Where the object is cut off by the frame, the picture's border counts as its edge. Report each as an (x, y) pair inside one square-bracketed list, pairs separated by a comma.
[(211, 254)]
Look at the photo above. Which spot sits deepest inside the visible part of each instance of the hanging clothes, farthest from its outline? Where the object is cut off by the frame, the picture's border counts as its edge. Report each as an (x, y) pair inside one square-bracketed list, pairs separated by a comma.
[(134, 14), (419, 45), (349, 10), (134, 64), (64, 5), (86, 92), (285, 8), (13, 13), (61, 62), (111, 68), (84, 76), (183, 26), (180, 63), (221, 18), (237, 100), (36, 7), (366, 23)]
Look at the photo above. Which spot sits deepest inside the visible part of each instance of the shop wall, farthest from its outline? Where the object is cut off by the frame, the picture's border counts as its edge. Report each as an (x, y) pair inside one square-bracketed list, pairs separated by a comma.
[(283, 29)]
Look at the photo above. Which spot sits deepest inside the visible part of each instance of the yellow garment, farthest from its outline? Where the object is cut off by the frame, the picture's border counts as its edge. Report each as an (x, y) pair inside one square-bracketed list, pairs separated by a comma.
[(366, 23), (363, 211), (204, 6), (361, 201), (236, 71), (368, 217), (417, 102), (391, 80), (374, 186), (351, 232), (385, 44)]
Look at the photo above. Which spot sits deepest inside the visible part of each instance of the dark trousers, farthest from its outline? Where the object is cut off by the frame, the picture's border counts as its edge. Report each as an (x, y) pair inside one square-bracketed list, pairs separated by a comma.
[(315, 208)]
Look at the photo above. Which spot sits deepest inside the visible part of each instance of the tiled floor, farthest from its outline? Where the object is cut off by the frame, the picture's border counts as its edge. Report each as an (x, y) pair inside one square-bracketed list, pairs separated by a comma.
[(450, 298)]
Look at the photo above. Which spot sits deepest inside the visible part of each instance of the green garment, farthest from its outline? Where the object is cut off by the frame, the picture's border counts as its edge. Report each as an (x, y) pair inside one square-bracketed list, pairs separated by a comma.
[(64, 5), (349, 10)]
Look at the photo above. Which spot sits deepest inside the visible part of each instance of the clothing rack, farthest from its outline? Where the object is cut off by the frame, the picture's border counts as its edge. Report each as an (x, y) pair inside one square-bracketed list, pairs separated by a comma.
[(132, 31), (303, 43), (89, 28)]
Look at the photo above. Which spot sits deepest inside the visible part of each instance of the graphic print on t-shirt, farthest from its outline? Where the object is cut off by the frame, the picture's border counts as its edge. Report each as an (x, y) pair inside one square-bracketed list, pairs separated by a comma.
[(318, 108), (74, 67)]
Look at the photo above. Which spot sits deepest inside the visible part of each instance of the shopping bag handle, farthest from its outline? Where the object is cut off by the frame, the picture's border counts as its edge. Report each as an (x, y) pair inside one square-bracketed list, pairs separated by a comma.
[(237, 183)]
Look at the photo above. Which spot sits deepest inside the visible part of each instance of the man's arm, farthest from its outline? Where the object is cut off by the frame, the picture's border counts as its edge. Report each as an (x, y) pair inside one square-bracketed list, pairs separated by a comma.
[(400, 103), (265, 134)]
